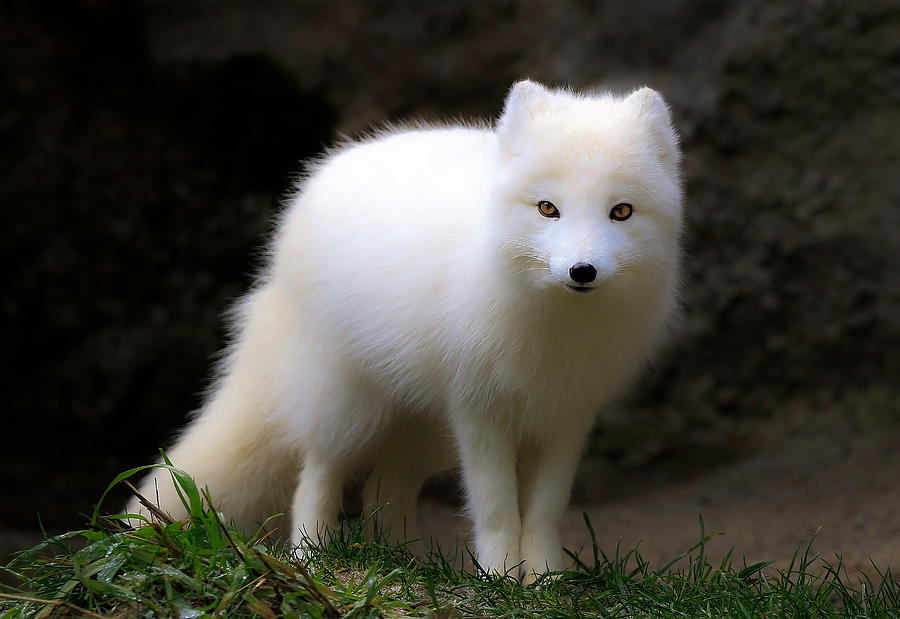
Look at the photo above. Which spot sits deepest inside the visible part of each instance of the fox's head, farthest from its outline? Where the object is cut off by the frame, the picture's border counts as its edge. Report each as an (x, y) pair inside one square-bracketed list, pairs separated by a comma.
[(589, 191)]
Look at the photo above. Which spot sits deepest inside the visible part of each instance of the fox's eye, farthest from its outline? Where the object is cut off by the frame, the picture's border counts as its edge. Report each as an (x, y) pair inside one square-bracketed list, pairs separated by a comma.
[(547, 209), (621, 212)]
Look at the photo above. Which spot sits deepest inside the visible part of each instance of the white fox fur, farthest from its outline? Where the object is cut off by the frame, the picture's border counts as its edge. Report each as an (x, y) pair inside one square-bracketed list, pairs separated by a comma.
[(417, 314)]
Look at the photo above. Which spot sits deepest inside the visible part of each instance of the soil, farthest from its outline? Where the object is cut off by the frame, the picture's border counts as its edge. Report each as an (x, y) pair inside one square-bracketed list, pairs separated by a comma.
[(842, 495)]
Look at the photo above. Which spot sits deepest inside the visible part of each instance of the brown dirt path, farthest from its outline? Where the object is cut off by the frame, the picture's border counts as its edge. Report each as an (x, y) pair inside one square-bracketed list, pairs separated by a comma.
[(766, 506)]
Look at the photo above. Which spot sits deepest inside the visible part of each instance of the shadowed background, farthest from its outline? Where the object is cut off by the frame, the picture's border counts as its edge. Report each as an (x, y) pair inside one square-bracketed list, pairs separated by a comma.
[(145, 146)]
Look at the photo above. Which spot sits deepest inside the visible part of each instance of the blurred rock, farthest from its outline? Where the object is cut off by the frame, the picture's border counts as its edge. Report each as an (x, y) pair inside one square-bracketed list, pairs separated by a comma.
[(146, 145), (136, 197)]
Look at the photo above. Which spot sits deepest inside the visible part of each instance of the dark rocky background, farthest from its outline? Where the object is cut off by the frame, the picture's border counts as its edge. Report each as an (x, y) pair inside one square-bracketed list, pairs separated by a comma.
[(145, 146)]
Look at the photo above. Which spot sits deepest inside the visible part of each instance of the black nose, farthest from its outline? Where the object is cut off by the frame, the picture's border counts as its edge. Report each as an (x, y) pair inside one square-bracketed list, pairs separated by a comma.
[(582, 272)]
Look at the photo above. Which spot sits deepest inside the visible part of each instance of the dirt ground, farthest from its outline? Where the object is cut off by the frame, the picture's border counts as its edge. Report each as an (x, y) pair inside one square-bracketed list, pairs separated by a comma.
[(764, 507)]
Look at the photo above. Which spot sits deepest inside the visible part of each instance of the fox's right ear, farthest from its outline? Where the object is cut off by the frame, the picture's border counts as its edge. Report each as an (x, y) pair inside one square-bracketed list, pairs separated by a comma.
[(525, 99)]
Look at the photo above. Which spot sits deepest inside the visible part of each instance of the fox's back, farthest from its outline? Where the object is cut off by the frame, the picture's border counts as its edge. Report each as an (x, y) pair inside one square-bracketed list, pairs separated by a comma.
[(378, 247), (397, 188)]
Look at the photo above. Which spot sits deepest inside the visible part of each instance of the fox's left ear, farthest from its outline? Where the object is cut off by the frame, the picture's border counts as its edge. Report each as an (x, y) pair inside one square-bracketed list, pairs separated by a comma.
[(525, 99), (656, 117)]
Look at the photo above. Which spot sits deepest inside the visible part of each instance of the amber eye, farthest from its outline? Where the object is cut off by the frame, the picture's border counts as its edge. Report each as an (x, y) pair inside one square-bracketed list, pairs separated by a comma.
[(547, 209), (621, 212)]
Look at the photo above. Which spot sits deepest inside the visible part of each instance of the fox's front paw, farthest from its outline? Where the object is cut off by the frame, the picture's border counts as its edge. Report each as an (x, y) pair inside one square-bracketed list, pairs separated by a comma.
[(541, 553), (531, 577), (500, 558)]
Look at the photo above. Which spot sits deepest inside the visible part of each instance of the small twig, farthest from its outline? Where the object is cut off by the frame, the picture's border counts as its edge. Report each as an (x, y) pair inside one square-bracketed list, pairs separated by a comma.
[(261, 580), (154, 510), (267, 535), (255, 583)]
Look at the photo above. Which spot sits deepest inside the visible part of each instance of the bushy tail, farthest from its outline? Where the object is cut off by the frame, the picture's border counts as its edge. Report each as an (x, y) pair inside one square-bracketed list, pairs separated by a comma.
[(234, 447)]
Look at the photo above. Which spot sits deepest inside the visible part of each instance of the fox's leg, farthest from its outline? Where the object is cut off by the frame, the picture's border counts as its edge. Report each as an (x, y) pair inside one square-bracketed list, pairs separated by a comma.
[(344, 419), (487, 454), (546, 471), (413, 450), (317, 499)]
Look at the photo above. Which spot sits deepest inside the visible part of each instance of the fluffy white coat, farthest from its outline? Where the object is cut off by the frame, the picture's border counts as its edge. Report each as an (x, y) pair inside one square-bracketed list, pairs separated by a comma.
[(418, 312)]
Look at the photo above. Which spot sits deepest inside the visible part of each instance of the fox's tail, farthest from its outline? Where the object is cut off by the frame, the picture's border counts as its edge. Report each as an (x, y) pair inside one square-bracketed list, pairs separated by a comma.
[(235, 447)]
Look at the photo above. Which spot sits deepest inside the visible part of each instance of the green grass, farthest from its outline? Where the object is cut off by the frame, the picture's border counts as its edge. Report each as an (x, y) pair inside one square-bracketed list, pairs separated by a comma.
[(202, 567)]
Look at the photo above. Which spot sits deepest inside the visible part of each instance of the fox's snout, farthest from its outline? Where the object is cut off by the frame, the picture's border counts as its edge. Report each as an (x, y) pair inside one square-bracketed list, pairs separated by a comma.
[(582, 272)]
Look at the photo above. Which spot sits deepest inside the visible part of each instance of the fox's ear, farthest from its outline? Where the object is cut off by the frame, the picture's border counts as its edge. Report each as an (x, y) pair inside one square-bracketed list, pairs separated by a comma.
[(653, 112), (649, 105), (525, 93), (524, 99)]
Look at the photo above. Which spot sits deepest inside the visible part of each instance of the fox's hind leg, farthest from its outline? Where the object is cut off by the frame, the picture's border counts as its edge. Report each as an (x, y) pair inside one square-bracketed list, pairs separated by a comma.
[(414, 449), (337, 438), (317, 499)]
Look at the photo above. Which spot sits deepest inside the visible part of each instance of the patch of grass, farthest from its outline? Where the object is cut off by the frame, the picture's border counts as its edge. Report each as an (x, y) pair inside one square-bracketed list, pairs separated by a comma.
[(204, 567)]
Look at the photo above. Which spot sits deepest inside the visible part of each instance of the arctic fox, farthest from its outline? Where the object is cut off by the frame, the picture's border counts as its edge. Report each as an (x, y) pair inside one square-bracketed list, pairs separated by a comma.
[(442, 296)]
